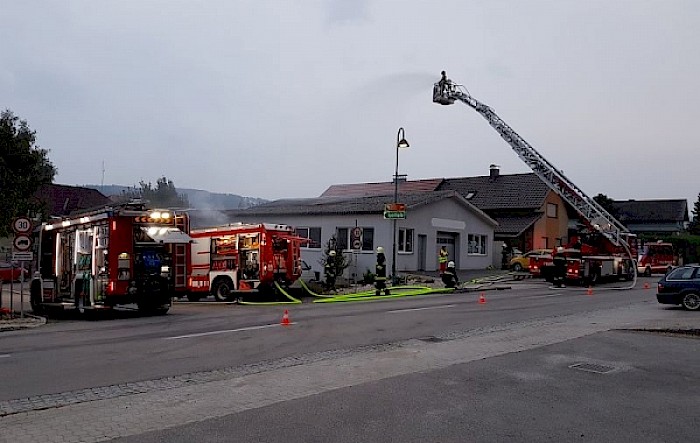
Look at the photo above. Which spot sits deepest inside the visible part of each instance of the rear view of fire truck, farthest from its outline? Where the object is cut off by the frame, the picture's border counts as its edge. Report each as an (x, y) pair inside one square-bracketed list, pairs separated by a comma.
[(608, 247), (113, 256), (228, 261)]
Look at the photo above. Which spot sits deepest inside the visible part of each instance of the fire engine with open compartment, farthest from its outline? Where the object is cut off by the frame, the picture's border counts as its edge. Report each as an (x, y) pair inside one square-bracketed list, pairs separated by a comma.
[(231, 259)]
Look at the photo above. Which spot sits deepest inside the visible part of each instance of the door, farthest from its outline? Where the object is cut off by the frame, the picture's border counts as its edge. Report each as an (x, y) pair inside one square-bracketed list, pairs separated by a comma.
[(422, 249), (447, 239)]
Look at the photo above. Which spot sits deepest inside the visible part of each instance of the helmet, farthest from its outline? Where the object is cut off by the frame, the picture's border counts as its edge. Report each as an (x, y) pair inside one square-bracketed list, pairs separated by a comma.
[(380, 250), (331, 254), (560, 248), (451, 264)]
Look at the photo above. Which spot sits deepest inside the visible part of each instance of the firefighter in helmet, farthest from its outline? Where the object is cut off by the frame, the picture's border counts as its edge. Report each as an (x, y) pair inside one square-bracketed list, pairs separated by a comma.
[(449, 277), (380, 273), (330, 270), (559, 260)]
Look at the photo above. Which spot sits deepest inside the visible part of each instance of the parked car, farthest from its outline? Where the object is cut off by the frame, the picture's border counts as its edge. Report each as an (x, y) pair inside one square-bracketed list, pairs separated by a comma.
[(10, 272), (522, 262), (681, 286)]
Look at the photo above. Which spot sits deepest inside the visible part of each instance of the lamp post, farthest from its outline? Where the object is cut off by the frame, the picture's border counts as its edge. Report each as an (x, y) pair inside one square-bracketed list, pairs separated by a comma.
[(400, 143)]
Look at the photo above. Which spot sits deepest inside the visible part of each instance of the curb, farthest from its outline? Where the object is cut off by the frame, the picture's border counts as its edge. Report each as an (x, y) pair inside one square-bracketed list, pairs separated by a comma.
[(29, 321)]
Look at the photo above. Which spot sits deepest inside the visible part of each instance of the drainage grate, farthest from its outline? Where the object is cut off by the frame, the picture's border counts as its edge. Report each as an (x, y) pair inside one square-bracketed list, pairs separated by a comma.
[(592, 367)]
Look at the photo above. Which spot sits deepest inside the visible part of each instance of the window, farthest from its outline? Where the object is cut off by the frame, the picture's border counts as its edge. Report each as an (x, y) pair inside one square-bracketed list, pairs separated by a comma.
[(313, 234), (343, 239), (552, 210), (681, 274), (476, 244), (405, 240)]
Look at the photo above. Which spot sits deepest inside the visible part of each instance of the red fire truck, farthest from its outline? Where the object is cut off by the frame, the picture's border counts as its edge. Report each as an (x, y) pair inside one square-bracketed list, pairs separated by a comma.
[(656, 257), (116, 255), (230, 259)]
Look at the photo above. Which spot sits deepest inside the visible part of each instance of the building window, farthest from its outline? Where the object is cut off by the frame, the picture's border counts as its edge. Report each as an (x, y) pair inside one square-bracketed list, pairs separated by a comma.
[(405, 240), (552, 210), (313, 234), (343, 239), (476, 244)]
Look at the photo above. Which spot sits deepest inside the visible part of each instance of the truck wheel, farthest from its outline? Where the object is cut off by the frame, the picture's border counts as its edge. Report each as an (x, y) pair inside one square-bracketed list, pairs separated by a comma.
[(223, 289), (691, 301), (517, 267), (647, 272)]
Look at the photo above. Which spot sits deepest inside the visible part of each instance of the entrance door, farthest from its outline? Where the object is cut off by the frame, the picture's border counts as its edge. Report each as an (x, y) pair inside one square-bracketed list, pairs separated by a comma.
[(449, 240), (422, 248)]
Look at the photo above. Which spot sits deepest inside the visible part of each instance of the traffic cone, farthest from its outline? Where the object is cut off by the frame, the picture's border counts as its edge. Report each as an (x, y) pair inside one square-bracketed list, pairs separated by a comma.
[(646, 285), (589, 291), (285, 319), (482, 299)]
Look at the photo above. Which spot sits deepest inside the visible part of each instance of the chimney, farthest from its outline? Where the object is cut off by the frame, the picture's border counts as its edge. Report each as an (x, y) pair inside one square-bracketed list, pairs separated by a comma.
[(494, 171)]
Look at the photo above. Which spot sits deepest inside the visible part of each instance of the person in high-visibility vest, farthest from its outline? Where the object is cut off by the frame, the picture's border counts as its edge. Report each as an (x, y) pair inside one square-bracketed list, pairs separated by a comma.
[(380, 273), (443, 255)]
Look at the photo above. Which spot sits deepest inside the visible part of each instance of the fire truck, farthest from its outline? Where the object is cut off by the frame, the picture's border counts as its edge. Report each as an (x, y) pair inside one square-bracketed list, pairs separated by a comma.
[(117, 255), (656, 257), (228, 261), (604, 249)]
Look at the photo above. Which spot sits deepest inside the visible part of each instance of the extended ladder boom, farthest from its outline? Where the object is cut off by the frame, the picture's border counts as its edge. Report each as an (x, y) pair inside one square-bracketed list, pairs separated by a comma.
[(445, 93)]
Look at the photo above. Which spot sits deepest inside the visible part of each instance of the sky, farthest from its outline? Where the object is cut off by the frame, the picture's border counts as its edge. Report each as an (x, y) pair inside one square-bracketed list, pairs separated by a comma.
[(281, 99)]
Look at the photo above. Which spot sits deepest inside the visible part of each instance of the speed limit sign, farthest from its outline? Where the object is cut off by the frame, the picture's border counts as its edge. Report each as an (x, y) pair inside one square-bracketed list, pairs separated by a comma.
[(22, 225)]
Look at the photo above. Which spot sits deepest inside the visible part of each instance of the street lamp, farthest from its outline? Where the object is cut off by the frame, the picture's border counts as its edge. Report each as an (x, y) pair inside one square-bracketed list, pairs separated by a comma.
[(400, 143)]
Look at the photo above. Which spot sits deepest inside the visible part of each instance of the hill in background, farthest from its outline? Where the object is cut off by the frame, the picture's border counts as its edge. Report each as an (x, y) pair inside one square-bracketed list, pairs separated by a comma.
[(198, 198)]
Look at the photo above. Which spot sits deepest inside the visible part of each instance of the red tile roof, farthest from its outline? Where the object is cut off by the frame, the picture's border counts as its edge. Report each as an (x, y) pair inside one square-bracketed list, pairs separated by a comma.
[(62, 200)]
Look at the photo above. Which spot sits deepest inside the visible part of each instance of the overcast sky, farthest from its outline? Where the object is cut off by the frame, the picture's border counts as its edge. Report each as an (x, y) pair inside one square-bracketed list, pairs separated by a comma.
[(277, 99)]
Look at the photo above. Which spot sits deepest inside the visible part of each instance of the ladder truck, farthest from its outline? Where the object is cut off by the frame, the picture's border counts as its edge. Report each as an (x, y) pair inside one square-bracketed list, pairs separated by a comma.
[(607, 249)]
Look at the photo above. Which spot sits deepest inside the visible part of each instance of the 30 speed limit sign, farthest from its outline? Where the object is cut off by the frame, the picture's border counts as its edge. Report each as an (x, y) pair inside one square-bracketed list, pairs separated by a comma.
[(22, 225)]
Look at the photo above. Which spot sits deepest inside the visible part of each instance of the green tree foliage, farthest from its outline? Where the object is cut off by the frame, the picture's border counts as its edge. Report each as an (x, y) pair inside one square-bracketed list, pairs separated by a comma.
[(163, 195), (24, 168), (607, 204), (694, 226)]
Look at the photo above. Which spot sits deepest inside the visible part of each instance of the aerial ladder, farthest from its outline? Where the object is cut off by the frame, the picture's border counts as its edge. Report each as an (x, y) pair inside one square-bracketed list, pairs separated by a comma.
[(445, 92)]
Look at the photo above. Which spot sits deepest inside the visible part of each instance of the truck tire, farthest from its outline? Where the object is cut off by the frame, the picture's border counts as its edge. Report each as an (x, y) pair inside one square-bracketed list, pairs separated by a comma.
[(517, 267), (647, 271), (223, 289)]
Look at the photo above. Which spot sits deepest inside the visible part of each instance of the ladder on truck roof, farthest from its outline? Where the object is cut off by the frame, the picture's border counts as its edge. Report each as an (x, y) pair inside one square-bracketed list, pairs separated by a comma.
[(445, 93)]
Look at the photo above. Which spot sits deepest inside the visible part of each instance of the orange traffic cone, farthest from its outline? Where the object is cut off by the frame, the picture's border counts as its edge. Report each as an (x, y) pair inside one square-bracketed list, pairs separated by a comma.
[(589, 291), (646, 285), (285, 319), (482, 299)]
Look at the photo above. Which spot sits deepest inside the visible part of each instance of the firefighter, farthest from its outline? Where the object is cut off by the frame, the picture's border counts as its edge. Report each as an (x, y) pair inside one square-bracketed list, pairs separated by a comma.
[(444, 83), (443, 256), (380, 273), (559, 260), (449, 277), (330, 271)]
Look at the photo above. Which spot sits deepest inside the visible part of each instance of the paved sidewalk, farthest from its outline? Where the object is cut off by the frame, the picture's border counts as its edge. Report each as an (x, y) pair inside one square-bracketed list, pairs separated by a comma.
[(12, 297)]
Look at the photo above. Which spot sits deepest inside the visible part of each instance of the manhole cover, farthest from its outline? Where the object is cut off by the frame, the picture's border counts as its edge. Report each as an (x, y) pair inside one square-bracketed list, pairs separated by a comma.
[(592, 367)]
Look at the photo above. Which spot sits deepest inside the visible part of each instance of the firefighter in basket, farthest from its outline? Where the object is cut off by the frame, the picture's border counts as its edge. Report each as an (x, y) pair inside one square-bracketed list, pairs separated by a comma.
[(329, 269), (449, 277), (380, 273)]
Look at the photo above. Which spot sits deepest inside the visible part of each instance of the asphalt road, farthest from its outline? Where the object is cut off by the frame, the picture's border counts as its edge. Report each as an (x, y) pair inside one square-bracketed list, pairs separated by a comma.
[(378, 368)]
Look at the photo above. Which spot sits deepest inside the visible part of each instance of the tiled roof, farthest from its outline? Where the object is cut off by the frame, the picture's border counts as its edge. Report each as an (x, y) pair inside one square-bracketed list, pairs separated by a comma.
[(514, 191), (383, 188), (636, 211), (339, 205), (62, 200), (514, 226)]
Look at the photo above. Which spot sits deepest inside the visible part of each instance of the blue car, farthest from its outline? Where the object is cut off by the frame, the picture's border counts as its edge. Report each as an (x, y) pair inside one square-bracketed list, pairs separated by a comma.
[(681, 286)]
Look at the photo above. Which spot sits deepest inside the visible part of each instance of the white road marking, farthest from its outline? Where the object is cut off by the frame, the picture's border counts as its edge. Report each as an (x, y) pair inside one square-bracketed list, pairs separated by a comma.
[(421, 309), (225, 331), (553, 295), (5, 355)]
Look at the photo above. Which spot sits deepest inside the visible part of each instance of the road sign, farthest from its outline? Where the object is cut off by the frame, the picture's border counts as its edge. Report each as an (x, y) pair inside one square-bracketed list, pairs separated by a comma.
[(357, 244), (395, 210), (22, 242), (23, 256), (356, 238), (22, 225), (357, 232)]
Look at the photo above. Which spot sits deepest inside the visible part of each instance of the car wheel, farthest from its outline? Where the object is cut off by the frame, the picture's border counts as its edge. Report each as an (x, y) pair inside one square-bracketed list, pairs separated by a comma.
[(647, 272), (691, 301), (223, 289), (517, 267)]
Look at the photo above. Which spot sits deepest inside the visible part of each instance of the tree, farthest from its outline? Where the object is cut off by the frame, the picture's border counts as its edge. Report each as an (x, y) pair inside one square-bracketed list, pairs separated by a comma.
[(163, 195), (338, 260), (24, 168), (607, 203), (694, 226)]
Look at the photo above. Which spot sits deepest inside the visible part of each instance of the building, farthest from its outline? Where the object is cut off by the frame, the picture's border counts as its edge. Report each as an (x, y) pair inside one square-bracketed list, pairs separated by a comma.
[(433, 219), (653, 217), (62, 200)]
